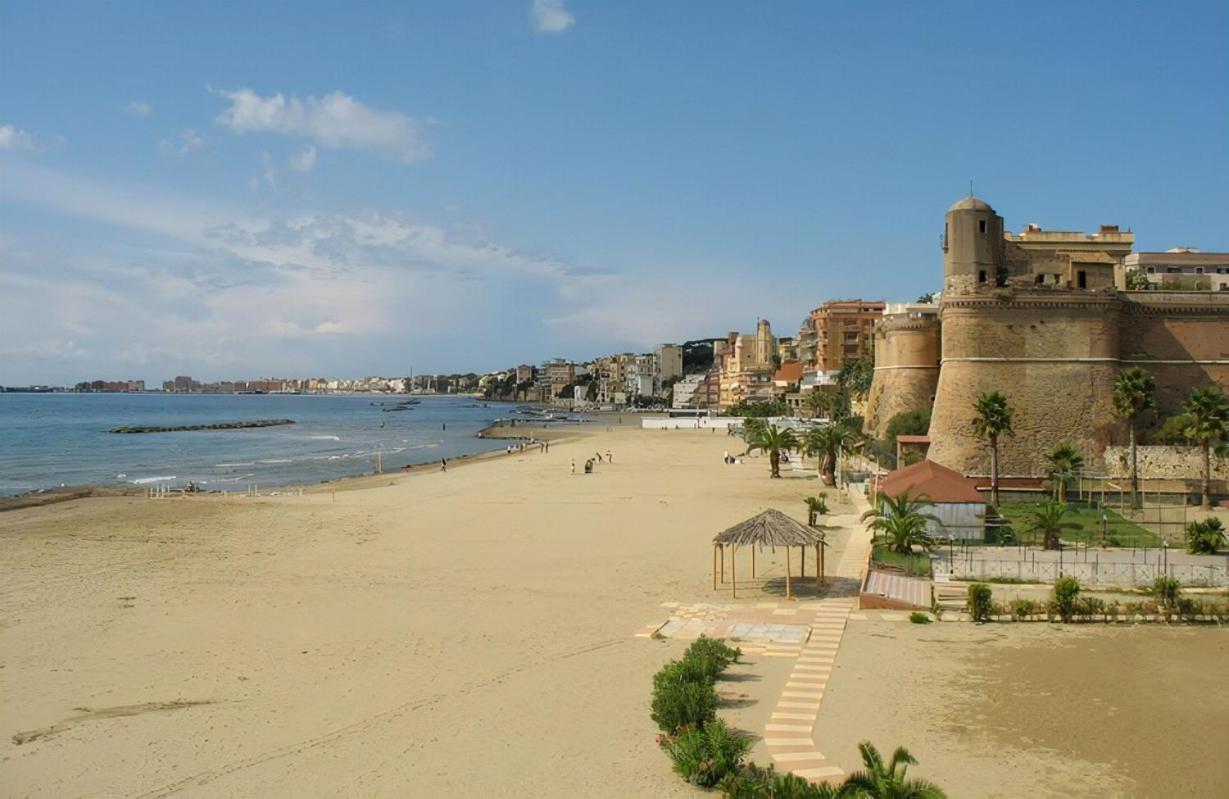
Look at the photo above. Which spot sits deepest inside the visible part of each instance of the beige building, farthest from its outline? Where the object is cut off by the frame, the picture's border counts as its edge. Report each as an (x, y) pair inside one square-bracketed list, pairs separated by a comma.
[(747, 366), (1181, 269)]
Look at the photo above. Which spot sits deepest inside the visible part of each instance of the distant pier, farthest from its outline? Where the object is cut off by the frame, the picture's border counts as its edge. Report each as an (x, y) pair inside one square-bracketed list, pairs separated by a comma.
[(189, 427)]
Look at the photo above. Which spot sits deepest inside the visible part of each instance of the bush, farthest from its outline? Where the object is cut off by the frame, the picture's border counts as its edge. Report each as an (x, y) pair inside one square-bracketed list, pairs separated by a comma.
[(1165, 591), (918, 617), (706, 755), (754, 782), (980, 602), (1066, 591), (1089, 606), (1022, 608), (711, 655), (683, 696), (1188, 609)]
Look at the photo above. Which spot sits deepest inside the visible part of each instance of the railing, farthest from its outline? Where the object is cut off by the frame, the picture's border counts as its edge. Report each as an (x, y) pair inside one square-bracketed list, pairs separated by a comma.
[(1089, 573)]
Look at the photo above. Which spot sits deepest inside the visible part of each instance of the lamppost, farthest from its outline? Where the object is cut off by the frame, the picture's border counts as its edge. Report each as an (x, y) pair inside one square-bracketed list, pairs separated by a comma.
[(1104, 527)]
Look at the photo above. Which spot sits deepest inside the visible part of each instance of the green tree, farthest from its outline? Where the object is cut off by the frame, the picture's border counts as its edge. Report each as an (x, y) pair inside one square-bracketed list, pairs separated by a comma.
[(879, 780), (1205, 537), (1208, 427), (1047, 519), (991, 422), (1065, 463), (856, 375), (816, 403), (826, 444), (773, 440), (1134, 393), (1137, 280), (902, 521), (816, 507)]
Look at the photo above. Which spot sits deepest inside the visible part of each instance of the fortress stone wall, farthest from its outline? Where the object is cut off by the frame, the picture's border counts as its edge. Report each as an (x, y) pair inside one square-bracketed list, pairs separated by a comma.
[(906, 369), (1052, 349)]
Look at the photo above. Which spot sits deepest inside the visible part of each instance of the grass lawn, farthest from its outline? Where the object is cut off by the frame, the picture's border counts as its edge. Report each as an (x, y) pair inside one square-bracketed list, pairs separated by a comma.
[(1121, 532), (915, 565)]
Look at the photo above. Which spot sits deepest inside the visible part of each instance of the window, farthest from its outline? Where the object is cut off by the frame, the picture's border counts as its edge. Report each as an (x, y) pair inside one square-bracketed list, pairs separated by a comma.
[(1081, 279), (1039, 279), (981, 225), (981, 276), (1151, 269), (1199, 270)]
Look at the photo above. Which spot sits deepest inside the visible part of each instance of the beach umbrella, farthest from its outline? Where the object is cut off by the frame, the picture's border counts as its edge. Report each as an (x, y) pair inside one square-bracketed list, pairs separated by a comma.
[(770, 528)]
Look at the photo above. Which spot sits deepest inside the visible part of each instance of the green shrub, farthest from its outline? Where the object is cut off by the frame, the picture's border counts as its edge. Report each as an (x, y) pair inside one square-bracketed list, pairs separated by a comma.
[(1089, 606), (1066, 591), (705, 755), (711, 655), (1188, 609), (1165, 590), (918, 617), (683, 696), (980, 603), (754, 782), (1022, 608)]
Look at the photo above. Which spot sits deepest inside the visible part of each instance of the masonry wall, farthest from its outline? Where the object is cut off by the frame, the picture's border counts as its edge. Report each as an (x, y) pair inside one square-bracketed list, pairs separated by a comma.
[(1181, 337), (1052, 354), (906, 369)]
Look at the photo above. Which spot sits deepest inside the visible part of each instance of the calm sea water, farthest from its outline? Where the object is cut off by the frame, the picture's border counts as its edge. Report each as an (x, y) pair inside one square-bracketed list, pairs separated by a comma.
[(48, 440)]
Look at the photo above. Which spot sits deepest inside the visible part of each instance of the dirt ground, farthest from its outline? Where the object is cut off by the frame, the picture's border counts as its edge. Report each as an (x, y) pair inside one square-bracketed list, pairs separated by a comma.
[(1037, 710)]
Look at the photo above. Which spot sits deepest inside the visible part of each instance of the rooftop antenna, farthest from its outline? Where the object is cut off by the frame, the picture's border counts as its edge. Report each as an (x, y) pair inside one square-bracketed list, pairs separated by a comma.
[(970, 188)]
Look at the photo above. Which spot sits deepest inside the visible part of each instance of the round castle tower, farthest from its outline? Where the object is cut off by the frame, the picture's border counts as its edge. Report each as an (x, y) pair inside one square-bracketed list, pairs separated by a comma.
[(1053, 355), (907, 347)]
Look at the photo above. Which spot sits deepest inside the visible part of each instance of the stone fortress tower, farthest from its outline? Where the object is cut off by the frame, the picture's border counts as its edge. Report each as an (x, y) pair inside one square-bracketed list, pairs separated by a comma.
[(1041, 317)]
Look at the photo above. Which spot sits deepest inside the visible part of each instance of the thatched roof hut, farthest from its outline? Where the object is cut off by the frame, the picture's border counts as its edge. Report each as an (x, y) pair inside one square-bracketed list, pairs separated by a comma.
[(770, 528)]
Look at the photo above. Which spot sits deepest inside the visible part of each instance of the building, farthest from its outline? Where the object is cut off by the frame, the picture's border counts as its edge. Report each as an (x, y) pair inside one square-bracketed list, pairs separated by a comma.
[(1181, 269), (669, 363), (959, 508), (748, 363), (525, 374), (1039, 317), (836, 332), (685, 391)]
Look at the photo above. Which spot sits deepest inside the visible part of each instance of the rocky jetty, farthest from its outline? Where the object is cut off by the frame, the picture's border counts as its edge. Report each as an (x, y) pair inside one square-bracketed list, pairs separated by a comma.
[(214, 426)]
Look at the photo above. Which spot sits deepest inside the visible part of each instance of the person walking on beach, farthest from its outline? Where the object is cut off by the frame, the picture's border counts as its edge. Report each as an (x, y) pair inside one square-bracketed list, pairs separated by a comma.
[(443, 464), (599, 456), (573, 466), (609, 457)]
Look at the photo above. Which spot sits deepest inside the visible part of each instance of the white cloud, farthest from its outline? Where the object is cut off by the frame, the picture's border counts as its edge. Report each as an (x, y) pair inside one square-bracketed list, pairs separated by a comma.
[(303, 161), (550, 16), (139, 108), (14, 138), (188, 141), (336, 121)]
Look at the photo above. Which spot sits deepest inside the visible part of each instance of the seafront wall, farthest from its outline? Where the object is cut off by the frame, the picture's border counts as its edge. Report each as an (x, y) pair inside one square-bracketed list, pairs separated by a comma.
[(1162, 463)]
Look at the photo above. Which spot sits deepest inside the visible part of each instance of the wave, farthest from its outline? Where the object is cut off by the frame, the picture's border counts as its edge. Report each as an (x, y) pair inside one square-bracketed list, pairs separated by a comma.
[(277, 460), (160, 479), (233, 465), (325, 438)]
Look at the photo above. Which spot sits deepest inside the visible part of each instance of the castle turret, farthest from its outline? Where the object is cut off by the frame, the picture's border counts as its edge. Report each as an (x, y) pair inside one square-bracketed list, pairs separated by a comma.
[(972, 246)]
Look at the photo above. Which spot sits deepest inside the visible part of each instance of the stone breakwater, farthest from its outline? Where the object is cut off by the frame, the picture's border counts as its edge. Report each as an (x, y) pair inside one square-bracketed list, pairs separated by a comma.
[(214, 426)]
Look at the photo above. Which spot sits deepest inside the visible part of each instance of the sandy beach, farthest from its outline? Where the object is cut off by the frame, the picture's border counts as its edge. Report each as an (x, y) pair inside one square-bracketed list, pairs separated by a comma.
[(472, 633)]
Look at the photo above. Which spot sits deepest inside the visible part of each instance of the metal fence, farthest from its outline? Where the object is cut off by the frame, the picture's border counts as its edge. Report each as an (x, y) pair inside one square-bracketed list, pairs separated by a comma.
[(1118, 568)]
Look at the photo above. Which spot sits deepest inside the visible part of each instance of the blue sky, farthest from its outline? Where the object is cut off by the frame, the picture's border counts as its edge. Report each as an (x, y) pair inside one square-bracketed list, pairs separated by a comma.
[(244, 189)]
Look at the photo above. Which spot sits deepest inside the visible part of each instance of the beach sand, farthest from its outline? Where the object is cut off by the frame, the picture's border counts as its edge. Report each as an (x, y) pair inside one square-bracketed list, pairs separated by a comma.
[(460, 633)]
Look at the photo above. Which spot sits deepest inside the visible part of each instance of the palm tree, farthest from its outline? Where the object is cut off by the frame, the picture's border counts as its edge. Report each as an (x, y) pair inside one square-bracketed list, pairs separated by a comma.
[(826, 444), (1065, 462), (774, 441), (1134, 393), (1209, 428), (993, 419), (1205, 537), (816, 507), (1047, 519), (816, 403), (888, 781), (902, 521)]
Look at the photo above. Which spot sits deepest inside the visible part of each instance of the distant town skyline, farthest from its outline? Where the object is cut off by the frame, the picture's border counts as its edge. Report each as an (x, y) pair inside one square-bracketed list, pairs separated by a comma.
[(473, 185)]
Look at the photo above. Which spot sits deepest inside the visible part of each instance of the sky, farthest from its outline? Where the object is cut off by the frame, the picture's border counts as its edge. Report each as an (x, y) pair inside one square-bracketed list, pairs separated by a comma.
[(247, 189)]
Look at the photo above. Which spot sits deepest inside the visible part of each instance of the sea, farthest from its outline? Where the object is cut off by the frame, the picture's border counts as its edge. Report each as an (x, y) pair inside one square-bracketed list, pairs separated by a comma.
[(53, 440)]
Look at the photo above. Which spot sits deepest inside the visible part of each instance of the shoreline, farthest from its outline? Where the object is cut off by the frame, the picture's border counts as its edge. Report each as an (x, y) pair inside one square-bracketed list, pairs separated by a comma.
[(50, 496)]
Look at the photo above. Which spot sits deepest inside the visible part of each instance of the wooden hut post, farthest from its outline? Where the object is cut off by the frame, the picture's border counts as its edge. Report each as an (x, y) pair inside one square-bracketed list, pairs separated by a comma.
[(802, 560), (734, 570), (715, 566), (787, 571), (753, 561), (819, 565), (722, 548)]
